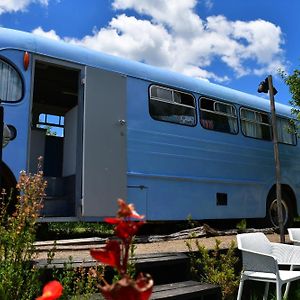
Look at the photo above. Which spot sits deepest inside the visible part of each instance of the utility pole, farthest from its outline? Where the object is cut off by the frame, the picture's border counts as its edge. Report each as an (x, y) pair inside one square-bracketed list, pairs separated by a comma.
[(264, 87)]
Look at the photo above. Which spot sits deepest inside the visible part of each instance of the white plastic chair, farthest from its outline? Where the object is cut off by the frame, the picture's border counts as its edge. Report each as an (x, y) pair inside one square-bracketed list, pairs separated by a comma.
[(294, 235), (261, 259)]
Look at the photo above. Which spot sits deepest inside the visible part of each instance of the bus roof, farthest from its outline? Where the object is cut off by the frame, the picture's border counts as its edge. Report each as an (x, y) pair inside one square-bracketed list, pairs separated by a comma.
[(13, 39)]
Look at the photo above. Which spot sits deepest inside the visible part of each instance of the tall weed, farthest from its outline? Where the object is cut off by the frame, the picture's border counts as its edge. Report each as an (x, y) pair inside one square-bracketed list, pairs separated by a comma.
[(18, 275)]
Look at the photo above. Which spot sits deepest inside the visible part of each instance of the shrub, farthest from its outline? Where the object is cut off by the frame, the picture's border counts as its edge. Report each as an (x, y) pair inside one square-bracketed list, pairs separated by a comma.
[(18, 275), (215, 267)]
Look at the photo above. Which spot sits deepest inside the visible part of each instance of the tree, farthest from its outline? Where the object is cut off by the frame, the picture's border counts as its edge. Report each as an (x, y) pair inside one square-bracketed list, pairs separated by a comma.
[(293, 82)]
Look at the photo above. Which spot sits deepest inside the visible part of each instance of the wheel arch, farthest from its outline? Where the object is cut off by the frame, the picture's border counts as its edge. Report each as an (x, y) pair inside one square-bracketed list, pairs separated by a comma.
[(8, 179), (285, 189)]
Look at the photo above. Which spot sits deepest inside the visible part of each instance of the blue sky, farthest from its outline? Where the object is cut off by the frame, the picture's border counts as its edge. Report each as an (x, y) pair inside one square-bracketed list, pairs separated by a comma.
[(230, 42)]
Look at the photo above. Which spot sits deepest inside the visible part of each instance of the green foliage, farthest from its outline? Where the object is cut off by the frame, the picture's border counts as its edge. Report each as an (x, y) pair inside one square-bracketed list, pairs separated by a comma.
[(19, 279), (61, 230), (80, 282), (293, 82), (215, 267), (242, 225)]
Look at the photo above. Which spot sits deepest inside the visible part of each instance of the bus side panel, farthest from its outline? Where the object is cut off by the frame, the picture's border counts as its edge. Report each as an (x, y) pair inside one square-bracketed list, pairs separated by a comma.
[(104, 143), (17, 114), (193, 171)]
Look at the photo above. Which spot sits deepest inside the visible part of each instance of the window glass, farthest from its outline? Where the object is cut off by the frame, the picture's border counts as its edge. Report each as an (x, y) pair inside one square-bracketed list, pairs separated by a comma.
[(54, 124), (284, 131), (172, 106), (161, 93), (10, 83), (218, 116), (255, 124)]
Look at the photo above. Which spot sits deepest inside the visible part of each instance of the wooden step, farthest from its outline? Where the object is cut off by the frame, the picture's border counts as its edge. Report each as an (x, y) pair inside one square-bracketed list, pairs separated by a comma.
[(186, 290), (164, 267)]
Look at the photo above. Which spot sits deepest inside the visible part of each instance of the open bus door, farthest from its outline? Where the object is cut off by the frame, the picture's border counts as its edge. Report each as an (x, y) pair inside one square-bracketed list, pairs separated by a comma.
[(104, 143)]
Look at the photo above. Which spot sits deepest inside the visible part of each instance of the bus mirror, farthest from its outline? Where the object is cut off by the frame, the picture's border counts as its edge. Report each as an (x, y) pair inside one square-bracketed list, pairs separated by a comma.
[(9, 133), (13, 131)]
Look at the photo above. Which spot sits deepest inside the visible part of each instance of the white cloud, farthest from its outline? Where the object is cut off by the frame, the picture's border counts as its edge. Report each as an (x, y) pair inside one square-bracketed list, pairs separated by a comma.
[(9, 6), (51, 34), (178, 16), (175, 37)]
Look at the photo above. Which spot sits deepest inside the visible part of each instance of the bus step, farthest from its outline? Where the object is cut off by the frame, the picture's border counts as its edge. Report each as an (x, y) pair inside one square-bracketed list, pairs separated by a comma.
[(55, 186), (58, 207)]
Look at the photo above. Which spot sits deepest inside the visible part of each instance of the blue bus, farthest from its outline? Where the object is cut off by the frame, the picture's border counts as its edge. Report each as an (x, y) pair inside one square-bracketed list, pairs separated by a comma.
[(110, 128)]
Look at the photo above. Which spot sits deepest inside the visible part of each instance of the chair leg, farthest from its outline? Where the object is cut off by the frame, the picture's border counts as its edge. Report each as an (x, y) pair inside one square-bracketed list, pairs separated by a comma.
[(240, 291), (278, 291), (266, 291), (288, 285), (286, 292)]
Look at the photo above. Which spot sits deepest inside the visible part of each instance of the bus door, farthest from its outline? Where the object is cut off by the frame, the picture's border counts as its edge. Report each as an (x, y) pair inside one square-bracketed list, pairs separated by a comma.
[(104, 142), (56, 133)]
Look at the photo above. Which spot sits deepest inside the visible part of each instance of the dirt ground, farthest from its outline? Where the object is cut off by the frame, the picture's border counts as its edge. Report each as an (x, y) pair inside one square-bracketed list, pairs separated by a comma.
[(82, 252)]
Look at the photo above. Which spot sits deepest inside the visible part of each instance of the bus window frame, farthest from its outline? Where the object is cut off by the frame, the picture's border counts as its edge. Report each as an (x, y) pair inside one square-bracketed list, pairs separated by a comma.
[(15, 67), (218, 113), (259, 111), (294, 134), (172, 103)]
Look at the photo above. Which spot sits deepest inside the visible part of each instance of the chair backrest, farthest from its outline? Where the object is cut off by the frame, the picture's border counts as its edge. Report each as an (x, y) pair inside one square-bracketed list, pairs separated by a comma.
[(255, 241), (257, 253), (294, 234)]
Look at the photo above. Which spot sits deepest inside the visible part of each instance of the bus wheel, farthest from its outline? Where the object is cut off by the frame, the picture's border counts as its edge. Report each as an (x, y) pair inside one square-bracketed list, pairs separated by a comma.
[(8, 183), (287, 211)]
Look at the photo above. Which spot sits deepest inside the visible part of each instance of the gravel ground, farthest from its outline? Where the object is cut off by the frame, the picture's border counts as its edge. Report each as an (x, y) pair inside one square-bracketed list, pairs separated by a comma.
[(79, 253)]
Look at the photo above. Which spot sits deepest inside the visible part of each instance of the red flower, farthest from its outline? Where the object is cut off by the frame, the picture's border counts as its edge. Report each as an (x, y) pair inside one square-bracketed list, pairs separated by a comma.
[(127, 210), (110, 254), (116, 254), (127, 229), (129, 289), (51, 291)]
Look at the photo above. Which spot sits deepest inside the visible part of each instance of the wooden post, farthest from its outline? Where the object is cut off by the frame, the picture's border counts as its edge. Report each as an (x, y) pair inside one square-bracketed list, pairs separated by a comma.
[(277, 162)]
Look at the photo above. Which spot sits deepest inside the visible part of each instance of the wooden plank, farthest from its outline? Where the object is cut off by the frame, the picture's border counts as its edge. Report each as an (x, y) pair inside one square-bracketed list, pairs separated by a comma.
[(142, 260), (81, 241), (186, 290)]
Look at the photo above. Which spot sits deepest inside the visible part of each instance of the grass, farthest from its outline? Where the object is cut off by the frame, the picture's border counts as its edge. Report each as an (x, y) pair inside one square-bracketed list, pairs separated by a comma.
[(67, 230)]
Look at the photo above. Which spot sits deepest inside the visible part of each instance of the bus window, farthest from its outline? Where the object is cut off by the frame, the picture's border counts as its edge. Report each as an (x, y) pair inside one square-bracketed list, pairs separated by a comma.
[(218, 116), (10, 83), (255, 124), (285, 132), (172, 106), (53, 124)]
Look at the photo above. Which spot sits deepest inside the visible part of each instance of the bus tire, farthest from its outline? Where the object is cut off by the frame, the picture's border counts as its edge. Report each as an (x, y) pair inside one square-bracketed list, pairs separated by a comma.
[(287, 211), (8, 184)]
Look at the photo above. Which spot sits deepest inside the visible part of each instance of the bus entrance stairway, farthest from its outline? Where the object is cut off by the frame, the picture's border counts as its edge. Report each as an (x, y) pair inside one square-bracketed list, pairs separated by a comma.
[(170, 272), (60, 197)]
